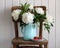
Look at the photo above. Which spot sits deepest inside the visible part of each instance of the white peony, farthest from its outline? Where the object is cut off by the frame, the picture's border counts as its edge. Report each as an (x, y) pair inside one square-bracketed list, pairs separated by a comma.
[(49, 19), (27, 18), (39, 10), (15, 14), (31, 7)]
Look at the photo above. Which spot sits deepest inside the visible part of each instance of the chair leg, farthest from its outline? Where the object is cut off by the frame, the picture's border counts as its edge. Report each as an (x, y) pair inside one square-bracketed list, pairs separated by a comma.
[(14, 46), (45, 45), (40, 46)]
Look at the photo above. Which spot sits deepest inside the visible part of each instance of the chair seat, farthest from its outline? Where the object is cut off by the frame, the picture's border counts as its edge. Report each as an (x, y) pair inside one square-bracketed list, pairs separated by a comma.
[(21, 41)]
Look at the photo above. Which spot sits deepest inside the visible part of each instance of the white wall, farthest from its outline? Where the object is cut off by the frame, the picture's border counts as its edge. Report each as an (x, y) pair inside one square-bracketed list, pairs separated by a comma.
[(6, 24)]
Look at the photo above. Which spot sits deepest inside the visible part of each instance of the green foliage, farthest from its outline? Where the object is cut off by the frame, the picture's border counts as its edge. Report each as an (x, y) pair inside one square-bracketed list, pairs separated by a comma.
[(48, 27), (39, 17), (24, 8)]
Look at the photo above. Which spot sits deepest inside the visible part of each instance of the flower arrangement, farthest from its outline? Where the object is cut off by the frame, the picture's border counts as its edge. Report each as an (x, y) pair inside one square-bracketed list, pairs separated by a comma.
[(28, 14)]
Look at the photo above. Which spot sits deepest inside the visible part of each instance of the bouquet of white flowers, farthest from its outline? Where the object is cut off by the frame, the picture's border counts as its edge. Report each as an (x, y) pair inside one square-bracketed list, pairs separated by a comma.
[(28, 14)]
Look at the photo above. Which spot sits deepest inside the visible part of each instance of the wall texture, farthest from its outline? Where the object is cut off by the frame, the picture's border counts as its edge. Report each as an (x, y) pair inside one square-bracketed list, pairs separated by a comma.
[(6, 24)]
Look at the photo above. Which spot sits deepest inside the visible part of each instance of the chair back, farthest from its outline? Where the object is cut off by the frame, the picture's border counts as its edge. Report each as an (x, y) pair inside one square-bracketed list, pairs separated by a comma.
[(16, 22)]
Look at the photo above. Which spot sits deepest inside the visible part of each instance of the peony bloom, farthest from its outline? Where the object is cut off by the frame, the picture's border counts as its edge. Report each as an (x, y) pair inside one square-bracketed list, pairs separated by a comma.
[(27, 18), (15, 14), (49, 19), (39, 10), (31, 7)]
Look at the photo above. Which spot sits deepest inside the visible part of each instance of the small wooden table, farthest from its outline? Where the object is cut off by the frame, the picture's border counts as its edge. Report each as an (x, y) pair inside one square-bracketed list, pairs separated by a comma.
[(21, 41)]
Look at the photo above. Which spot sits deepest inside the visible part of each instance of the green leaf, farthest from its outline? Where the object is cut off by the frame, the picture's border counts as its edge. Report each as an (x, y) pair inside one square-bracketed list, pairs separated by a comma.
[(47, 27), (51, 24), (27, 7)]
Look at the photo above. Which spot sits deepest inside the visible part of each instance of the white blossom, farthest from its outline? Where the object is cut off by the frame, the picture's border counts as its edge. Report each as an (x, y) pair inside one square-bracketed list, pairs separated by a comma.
[(27, 18), (49, 19), (39, 10), (15, 14), (31, 7)]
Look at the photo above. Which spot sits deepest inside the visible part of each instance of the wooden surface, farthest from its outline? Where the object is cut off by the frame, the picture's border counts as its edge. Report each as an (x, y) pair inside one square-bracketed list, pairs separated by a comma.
[(21, 41), (25, 42)]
